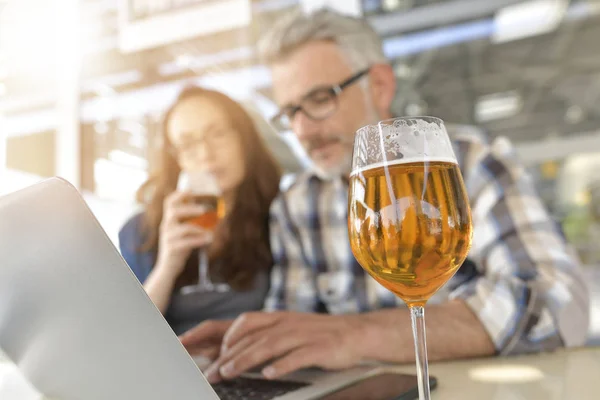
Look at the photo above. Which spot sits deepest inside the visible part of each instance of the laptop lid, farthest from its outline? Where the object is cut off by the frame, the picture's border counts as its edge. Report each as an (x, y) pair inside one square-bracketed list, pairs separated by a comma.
[(73, 317)]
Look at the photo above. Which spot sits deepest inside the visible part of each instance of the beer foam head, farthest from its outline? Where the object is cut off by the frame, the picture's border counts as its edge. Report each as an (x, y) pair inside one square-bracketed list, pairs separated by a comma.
[(198, 183), (401, 141)]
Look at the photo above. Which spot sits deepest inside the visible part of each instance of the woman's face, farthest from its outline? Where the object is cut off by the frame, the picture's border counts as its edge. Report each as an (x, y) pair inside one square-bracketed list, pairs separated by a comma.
[(203, 139)]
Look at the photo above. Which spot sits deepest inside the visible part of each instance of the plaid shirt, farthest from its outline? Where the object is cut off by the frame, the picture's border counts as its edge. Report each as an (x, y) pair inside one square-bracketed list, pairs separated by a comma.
[(520, 279)]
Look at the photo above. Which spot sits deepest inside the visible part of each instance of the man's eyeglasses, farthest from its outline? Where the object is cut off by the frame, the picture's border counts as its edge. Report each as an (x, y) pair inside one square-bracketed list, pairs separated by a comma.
[(319, 104)]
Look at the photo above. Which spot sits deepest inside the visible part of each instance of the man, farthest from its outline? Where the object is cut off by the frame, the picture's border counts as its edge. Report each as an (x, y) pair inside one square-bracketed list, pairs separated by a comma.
[(520, 292)]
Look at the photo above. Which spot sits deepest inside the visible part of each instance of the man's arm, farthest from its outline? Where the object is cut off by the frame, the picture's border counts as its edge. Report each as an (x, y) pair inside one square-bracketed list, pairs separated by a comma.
[(529, 295), (289, 341), (453, 331)]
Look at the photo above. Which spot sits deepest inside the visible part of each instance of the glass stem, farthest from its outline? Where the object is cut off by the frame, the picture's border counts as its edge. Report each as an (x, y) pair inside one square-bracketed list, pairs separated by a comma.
[(417, 315), (203, 276)]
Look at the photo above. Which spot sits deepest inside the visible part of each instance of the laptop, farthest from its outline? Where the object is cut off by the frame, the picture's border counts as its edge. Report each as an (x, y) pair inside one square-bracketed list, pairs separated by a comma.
[(78, 324)]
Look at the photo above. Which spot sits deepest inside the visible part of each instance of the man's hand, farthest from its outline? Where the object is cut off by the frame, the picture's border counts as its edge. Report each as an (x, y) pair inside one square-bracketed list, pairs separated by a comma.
[(206, 339), (287, 340)]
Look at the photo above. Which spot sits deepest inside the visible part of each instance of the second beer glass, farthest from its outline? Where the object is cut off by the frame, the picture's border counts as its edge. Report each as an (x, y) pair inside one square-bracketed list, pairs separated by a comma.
[(204, 191)]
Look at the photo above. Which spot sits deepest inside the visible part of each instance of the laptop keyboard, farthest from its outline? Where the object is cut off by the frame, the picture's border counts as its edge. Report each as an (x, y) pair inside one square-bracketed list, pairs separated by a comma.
[(254, 389)]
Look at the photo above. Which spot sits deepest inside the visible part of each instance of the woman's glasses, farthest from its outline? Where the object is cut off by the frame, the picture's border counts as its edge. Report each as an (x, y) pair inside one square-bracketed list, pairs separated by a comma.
[(188, 149)]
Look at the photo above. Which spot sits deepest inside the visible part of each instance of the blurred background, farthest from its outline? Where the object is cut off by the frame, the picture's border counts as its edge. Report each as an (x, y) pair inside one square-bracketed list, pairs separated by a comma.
[(84, 83)]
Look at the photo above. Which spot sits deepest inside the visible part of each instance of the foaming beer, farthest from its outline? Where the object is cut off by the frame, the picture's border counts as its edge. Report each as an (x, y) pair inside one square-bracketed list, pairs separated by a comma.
[(215, 211), (410, 225)]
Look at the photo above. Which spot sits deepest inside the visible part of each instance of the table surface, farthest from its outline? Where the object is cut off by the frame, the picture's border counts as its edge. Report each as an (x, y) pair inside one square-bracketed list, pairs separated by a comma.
[(565, 374)]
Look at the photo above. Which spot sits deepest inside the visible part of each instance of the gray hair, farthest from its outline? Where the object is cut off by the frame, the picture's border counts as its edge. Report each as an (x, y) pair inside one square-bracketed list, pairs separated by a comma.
[(359, 43)]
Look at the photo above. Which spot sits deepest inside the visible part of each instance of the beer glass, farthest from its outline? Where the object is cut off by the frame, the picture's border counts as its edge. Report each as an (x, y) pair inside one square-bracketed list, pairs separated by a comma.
[(205, 192), (409, 220)]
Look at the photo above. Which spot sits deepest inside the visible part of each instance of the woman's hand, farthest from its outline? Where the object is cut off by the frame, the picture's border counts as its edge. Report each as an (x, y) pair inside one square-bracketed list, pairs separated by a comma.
[(177, 238)]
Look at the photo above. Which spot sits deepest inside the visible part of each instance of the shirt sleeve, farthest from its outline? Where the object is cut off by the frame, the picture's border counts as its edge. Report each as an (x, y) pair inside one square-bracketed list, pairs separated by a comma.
[(130, 242), (529, 294)]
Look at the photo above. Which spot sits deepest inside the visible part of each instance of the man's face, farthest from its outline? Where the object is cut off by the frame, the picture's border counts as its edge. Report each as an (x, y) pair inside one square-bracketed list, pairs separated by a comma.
[(328, 142)]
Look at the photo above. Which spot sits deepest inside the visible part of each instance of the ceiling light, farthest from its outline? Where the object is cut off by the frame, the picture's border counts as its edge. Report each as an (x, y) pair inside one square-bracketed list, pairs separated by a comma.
[(391, 5), (416, 109), (105, 85), (127, 160), (402, 71), (498, 105), (138, 141), (103, 90), (101, 128), (348, 7), (166, 23), (574, 114), (529, 18), (184, 60)]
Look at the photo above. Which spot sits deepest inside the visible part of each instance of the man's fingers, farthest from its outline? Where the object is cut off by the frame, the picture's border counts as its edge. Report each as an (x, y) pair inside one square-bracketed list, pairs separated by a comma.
[(247, 323), (258, 350), (249, 348), (213, 372), (205, 333), (302, 357), (211, 353), (209, 350)]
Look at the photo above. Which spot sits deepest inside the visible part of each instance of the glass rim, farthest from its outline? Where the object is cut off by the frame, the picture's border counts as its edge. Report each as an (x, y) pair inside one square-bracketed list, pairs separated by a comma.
[(442, 151), (383, 121)]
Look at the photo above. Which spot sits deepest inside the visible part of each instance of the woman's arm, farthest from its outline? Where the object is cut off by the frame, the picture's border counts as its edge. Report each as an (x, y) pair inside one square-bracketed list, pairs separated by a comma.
[(160, 285), (158, 278)]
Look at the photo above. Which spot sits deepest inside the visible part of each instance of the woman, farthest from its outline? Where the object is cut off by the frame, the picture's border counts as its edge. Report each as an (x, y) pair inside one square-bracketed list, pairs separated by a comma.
[(207, 131)]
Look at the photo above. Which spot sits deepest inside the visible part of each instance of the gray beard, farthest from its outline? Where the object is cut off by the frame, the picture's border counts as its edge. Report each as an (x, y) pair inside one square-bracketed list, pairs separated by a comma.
[(342, 169)]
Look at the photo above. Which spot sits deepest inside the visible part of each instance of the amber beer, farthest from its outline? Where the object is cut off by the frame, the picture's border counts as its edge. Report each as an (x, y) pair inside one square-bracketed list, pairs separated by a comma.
[(215, 211), (410, 226)]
